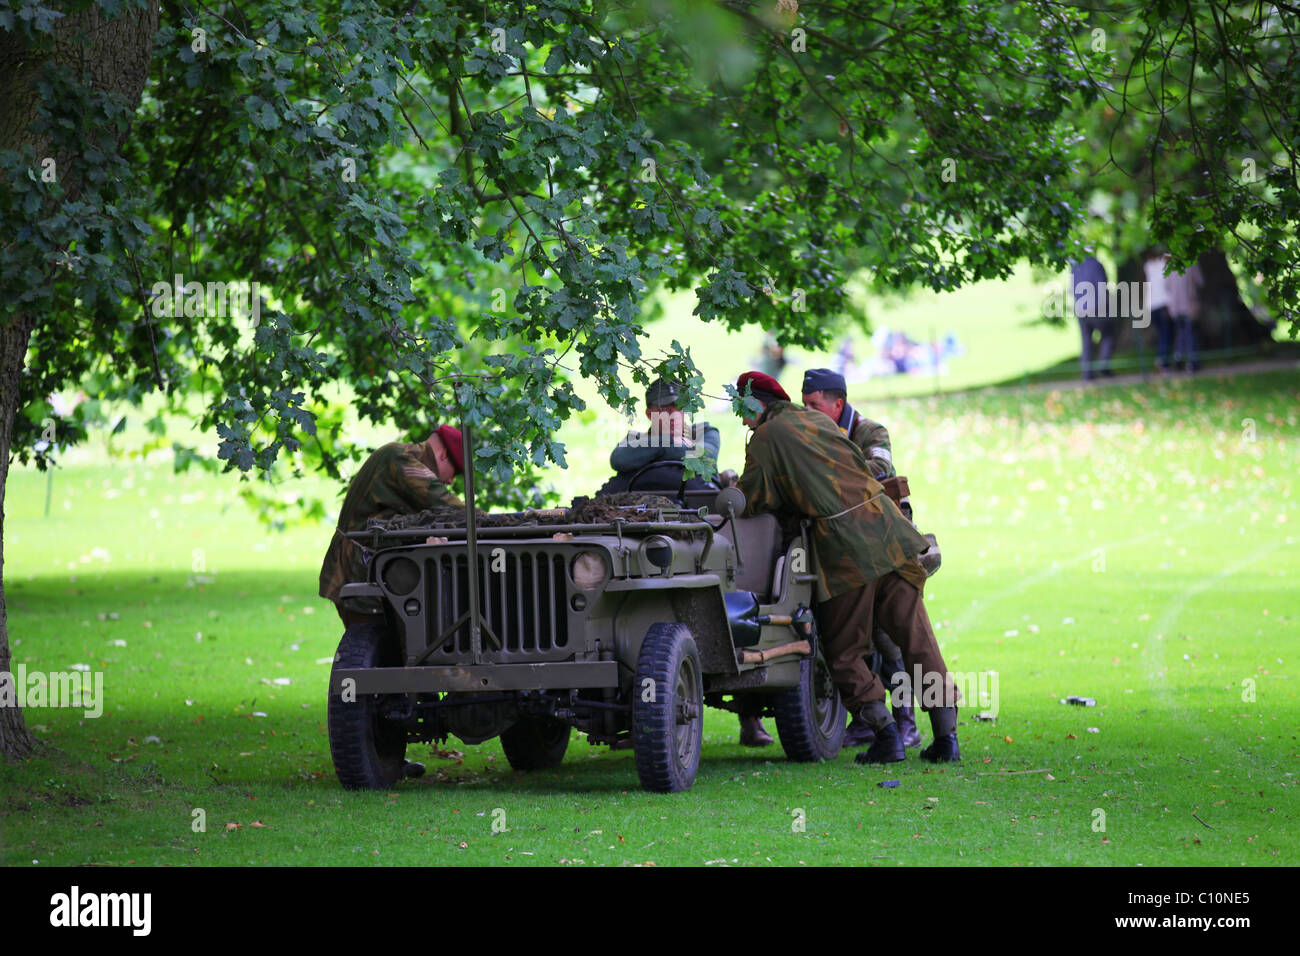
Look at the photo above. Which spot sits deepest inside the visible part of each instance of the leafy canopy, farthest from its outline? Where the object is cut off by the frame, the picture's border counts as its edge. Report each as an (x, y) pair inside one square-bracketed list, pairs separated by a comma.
[(452, 209)]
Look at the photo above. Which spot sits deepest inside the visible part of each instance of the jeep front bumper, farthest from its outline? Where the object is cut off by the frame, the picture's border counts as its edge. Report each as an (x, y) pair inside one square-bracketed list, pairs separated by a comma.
[(479, 677)]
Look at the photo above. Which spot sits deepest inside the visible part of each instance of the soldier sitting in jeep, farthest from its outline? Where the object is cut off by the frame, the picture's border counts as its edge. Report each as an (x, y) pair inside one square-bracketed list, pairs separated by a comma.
[(655, 461)]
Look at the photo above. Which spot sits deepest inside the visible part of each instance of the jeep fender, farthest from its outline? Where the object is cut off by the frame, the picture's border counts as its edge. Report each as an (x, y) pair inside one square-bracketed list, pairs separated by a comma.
[(700, 608)]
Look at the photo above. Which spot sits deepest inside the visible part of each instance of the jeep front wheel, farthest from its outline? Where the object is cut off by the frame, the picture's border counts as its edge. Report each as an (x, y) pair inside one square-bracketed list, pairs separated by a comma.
[(668, 709), (368, 750), (810, 716), (536, 743)]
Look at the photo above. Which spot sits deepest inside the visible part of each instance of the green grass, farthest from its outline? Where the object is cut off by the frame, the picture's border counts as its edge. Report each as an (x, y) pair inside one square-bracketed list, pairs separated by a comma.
[(1125, 544)]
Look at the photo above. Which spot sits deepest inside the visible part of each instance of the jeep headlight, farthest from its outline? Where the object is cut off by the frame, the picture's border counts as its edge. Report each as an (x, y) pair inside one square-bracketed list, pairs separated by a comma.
[(658, 551), (401, 575), (590, 570)]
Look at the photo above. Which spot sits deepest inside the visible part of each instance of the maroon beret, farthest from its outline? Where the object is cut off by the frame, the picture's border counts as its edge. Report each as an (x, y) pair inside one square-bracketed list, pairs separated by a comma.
[(451, 437), (761, 382)]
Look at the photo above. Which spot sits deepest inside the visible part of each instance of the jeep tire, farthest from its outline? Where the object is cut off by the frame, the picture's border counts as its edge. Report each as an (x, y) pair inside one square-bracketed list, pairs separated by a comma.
[(368, 751), (668, 709), (810, 716), (535, 743)]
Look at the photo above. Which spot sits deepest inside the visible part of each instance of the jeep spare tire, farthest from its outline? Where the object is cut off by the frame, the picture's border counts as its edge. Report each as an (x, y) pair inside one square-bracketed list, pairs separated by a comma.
[(668, 709), (535, 743)]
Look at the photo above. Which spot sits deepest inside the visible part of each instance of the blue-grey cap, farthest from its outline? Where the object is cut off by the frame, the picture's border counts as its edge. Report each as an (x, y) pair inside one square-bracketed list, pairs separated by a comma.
[(820, 379), (662, 393)]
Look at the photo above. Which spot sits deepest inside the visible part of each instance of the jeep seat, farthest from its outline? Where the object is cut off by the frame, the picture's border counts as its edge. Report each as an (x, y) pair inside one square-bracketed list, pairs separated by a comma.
[(759, 546)]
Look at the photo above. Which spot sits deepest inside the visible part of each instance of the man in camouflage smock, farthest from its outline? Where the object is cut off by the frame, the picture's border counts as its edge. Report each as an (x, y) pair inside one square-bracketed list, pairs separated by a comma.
[(397, 479), (798, 466), (825, 391)]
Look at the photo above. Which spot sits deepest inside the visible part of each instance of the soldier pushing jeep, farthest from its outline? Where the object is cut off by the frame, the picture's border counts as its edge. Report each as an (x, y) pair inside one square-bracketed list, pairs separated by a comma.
[(800, 468), (826, 391)]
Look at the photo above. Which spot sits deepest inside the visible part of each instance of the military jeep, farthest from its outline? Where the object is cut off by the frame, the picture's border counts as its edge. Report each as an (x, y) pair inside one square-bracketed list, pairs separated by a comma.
[(622, 621)]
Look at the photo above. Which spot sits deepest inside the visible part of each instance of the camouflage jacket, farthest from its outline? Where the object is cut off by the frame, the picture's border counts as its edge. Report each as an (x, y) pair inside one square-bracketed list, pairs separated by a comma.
[(397, 479), (798, 465), (873, 439)]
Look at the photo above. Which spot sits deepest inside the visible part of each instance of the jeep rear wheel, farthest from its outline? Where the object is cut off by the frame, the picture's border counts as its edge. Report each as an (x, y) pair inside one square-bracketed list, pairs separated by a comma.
[(668, 709), (810, 716), (536, 743), (368, 750)]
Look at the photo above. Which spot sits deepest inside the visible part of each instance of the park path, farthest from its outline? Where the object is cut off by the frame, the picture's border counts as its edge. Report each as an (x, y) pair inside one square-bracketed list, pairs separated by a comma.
[(1126, 378), (1138, 378)]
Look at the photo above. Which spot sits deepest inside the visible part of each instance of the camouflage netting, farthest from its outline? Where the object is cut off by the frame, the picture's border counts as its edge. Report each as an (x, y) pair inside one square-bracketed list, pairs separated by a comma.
[(584, 511)]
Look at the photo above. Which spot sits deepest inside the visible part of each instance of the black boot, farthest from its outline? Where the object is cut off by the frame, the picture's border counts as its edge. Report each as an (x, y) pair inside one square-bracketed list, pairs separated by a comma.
[(859, 733), (752, 733), (905, 717), (943, 721), (943, 750), (888, 747), (900, 690)]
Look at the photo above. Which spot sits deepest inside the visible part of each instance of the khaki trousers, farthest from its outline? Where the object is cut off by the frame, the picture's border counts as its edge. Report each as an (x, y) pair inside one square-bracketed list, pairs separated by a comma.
[(846, 623)]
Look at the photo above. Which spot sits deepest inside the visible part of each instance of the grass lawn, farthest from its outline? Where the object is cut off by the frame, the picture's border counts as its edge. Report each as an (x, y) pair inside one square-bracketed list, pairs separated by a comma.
[(1133, 545)]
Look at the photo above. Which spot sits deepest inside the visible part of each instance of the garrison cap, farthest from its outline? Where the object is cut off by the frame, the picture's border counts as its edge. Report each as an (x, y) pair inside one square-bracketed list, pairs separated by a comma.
[(761, 382), (455, 442), (662, 393), (820, 379)]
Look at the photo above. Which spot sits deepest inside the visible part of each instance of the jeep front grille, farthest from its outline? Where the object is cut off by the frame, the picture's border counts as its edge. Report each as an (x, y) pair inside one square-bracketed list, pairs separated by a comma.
[(525, 603)]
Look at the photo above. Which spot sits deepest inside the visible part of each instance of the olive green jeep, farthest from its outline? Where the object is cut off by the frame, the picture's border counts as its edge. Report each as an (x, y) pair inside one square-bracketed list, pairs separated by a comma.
[(622, 621)]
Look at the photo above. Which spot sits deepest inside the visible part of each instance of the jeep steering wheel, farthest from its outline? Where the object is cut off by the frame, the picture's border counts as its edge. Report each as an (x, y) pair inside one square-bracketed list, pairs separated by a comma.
[(631, 482)]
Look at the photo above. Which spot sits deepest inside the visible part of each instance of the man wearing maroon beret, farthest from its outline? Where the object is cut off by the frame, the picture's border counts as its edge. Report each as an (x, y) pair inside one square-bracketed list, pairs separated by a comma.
[(397, 479), (798, 466), (825, 391)]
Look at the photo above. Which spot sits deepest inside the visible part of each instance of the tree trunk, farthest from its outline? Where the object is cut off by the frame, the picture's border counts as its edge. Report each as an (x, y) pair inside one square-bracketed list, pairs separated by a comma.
[(113, 56), (16, 740), (1225, 321)]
